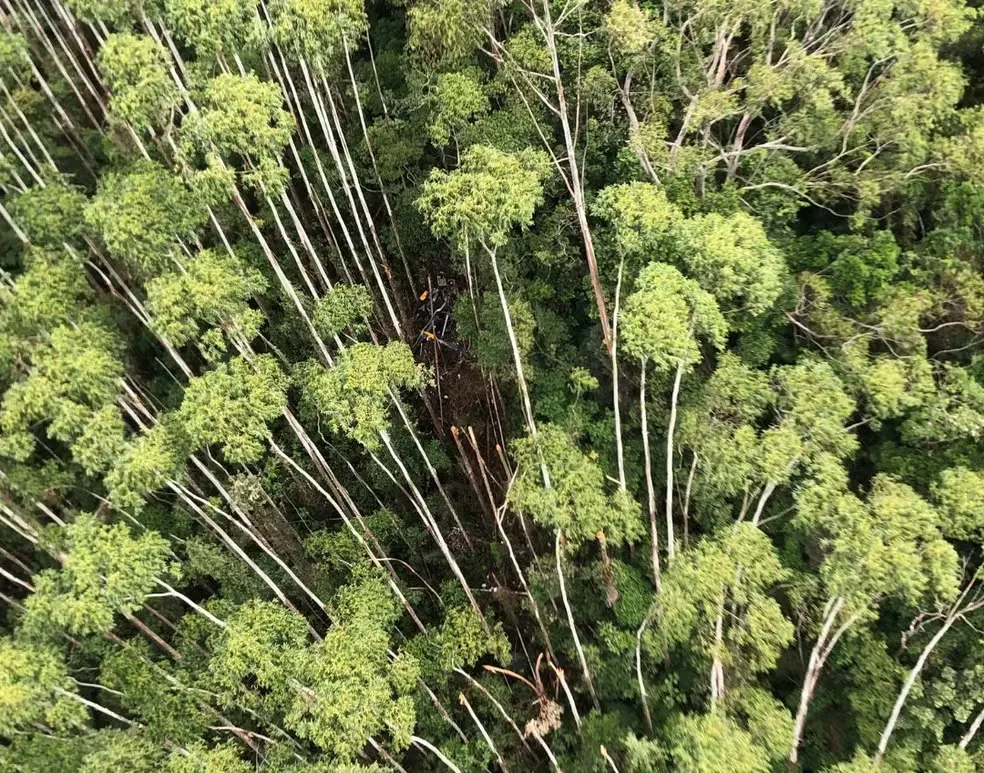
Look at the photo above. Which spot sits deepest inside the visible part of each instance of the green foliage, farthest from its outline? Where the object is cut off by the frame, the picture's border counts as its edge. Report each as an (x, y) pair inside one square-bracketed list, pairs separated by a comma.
[(398, 147), (489, 194), (814, 407), (791, 195), (39, 751), (136, 70), (242, 118), (457, 99), (732, 573), (211, 293), (893, 386), (576, 501), (50, 215), (336, 692), (35, 687), (768, 722), (459, 642), (49, 293), (641, 216), (13, 51), (343, 306), (73, 375), (233, 404), (354, 395), (663, 318), (444, 33), (889, 545), (151, 693), (201, 759), (490, 341), (227, 25), (123, 751), (341, 551), (369, 693), (629, 28), (253, 656), (732, 259), (237, 582), (705, 743), (317, 30), (101, 441), (146, 464), (104, 570), (956, 410), (858, 268), (118, 13), (959, 494), (141, 213)]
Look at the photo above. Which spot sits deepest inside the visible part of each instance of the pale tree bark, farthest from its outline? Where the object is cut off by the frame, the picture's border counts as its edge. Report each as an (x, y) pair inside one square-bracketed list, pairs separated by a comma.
[(825, 643), (567, 167), (517, 360), (485, 733), (615, 397), (717, 667), (669, 460), (439, 537), (505, 715), (420, 742), (570, 622), (910, 682), (638, 662), (546, 26), (957, 612), (650, 488), (972, 730), (770, 487)]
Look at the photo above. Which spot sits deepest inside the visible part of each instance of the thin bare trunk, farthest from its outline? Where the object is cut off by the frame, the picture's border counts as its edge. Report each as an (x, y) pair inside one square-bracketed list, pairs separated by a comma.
[(669, 460), (576, 183), (435, 530), (615, 398), (825, 643), (972, 730), (686, 501), (570, 622), (481, 729), (642, 685), (650, 488), (910, 682), (766, 493), (505, 715)]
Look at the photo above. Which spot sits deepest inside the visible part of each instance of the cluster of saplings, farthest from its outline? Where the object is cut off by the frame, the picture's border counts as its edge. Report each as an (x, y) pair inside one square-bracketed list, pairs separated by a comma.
[(475, 385)]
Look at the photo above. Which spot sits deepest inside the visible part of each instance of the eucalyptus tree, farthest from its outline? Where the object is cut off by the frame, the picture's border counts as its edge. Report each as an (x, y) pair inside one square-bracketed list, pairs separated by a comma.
[(849, 99), (889, 545), (664, 321), (136, 72), (716, 600)]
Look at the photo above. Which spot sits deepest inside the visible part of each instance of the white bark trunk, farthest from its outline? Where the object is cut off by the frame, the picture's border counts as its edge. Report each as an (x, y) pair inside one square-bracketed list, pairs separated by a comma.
[(570, 623), (669, 460)]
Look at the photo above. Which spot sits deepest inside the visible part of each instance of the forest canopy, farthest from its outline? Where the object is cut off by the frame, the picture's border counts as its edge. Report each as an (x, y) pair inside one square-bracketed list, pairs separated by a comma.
[(473, 385)]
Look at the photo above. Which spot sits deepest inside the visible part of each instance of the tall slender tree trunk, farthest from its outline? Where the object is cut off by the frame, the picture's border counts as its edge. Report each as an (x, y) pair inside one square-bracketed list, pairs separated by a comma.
[(910, 682), (825, 643), (570, 622), (576, 183), (972, 730), (669, 460), (620, 450), (650, 488)]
